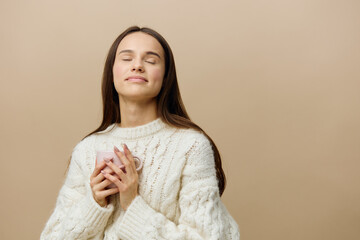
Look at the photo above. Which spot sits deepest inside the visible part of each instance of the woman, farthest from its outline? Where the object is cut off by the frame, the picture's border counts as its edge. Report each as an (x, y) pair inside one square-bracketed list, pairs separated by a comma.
[(177, 193)]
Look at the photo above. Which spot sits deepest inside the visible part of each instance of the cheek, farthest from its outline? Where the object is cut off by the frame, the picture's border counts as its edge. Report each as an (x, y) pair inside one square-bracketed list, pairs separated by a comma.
[(118, 71), (158, 75)]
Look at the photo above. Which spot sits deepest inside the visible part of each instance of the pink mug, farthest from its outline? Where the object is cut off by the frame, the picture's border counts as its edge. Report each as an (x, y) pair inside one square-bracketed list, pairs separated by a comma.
[(101, 155)]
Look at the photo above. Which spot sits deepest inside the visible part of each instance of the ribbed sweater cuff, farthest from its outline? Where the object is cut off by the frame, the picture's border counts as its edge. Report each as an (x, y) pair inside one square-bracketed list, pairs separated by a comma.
[(134, 220), (94, 213)]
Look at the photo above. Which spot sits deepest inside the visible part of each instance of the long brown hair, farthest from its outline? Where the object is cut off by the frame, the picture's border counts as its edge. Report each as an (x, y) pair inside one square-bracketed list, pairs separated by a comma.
[(169, 103)]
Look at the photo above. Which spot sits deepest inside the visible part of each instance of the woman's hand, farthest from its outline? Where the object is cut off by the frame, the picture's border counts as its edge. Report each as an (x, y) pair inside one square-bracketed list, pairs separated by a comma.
[(98, 184), (126, 181)]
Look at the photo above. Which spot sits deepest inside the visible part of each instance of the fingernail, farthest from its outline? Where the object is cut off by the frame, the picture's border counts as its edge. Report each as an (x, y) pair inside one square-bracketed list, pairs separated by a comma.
[(126, 146), (116, 149), (106, 160), (103, 172)]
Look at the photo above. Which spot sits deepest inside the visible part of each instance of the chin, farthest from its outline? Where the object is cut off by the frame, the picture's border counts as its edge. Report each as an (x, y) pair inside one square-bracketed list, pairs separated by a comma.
[(141, 97)]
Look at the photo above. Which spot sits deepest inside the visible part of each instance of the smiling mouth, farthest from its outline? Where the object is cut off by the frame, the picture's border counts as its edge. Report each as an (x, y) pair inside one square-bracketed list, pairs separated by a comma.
[(136, 79)]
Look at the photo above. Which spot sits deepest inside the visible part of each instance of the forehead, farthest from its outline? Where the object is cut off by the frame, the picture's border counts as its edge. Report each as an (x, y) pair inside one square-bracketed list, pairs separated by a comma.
[(140, 42)]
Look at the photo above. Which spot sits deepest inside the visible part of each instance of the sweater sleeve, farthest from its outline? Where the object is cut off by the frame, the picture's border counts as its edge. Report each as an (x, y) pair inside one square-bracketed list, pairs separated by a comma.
[(203, 215), (76, 214)]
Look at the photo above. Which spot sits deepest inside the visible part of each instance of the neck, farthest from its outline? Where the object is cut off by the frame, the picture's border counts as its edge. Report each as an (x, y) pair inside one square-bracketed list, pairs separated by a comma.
[(135, 114)]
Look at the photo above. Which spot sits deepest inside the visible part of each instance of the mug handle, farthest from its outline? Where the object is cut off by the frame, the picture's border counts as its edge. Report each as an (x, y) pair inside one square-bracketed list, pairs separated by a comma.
[(138, 163)]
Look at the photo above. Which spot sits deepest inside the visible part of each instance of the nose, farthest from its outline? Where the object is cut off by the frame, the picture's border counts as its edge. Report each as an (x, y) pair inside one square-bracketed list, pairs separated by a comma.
[(137, 67)]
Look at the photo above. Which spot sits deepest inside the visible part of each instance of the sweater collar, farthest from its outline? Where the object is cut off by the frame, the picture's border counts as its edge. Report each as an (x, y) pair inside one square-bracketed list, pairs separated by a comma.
[(136, 132)]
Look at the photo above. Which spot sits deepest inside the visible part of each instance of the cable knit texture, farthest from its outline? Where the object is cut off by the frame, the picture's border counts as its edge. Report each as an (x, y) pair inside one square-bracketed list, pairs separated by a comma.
[(178, 192)]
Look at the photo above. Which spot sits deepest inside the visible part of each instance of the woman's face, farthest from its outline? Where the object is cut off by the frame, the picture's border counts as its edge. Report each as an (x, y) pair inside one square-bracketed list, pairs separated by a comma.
[(139, 67)]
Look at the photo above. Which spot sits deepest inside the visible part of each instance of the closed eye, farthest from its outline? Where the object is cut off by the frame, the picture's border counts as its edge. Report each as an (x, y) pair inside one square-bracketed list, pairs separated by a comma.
[(150, 60)]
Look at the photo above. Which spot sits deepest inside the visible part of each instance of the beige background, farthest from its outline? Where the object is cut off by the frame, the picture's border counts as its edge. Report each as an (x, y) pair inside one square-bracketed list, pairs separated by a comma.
[(275, 83)]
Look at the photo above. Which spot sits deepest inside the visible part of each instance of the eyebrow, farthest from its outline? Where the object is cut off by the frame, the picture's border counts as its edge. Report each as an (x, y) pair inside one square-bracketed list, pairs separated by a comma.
[(147, 53)]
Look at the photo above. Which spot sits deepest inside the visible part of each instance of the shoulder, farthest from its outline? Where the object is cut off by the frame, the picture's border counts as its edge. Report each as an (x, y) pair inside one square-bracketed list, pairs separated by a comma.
[(199, 157), (85, 143), (192, 140), (196, 137), (82, 154), (83, 150)]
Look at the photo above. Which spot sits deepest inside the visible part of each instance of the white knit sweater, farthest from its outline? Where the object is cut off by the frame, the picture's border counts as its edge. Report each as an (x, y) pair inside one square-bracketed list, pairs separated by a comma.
[(178, 191)]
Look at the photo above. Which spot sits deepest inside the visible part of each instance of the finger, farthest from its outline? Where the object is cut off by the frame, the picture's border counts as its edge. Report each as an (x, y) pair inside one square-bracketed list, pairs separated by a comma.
[(97, 169), (107, 192), (119, 153), (110, 191), (102, 185), (117, 170), (100, 166), (129, 158), (96, 180), (114, 180), (122, 157), (100, 177)]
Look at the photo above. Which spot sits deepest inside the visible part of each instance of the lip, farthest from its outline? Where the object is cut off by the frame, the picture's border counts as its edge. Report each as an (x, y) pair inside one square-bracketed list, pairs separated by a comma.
[(136, 79)]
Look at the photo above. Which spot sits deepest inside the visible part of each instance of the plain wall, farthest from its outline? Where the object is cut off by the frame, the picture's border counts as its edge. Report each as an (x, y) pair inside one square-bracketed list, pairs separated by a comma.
[(274, 83)]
